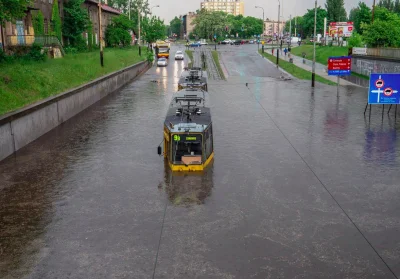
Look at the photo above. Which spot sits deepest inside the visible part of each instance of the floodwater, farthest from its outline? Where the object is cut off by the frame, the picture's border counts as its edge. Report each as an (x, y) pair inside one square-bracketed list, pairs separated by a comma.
[(302, 186)]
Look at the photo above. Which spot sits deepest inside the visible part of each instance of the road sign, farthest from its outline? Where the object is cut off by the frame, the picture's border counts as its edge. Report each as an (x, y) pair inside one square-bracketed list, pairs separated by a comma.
[(384, 89), (215, 36), (339, 66)]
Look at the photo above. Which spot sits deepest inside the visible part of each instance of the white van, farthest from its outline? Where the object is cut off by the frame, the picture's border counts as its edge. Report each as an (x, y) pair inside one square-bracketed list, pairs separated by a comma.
[(294, 40)]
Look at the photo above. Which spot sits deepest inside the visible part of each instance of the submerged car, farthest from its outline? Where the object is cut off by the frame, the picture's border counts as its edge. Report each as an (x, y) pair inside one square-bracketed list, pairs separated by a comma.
[(162, 62), (179, 55)]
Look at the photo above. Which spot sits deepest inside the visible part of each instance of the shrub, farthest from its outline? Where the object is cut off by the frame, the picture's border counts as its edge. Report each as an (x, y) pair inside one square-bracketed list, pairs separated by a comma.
[(36, 53)]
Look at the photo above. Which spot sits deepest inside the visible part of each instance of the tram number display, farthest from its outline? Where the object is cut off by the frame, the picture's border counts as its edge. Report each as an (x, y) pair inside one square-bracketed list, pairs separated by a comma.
[(187, 138)]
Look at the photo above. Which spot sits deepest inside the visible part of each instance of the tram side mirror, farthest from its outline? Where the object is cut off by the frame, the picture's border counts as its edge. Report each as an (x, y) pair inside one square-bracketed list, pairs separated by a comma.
[(159, 150)]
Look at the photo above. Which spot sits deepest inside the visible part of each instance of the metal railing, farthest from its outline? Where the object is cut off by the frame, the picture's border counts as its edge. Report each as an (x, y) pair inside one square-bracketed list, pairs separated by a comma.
[(28, 40), (393, 53)]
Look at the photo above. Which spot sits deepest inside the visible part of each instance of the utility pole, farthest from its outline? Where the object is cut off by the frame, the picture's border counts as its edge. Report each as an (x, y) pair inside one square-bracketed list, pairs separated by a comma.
[(101, 37), (315, 39), (295, 26), (290, 30), (129, 11), (373, 12), (277, 49), (140, 51)]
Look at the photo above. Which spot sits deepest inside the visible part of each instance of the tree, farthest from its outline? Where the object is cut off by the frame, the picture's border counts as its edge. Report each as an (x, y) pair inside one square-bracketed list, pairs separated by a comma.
[(335, 10), (117, 33), (388, 4), (355, 40), (175, 25), (252, 26), (210, 23), (12, 9), (396, 7), (382, 33), (153, 29), (56, 21), (359, 15), (38, 23), (308, 21), (75, 21), (297, 20)]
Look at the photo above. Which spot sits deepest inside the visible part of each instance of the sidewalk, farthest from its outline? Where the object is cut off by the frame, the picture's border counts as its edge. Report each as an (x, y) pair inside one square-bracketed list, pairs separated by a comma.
[(319, 68)]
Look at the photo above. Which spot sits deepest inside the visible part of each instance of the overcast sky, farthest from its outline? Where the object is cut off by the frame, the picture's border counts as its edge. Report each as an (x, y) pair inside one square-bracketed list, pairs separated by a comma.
[(171, 8)]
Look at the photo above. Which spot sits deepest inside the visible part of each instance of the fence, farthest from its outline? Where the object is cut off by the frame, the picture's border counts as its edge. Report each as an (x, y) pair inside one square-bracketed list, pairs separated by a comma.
[(393, 53), (28, 40)]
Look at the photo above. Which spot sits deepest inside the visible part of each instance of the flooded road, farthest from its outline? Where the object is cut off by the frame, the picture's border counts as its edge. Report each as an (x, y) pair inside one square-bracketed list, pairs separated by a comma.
[(302, 186)]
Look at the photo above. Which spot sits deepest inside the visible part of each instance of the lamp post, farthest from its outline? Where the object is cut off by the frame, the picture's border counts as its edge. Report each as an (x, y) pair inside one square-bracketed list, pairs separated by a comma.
[(263, 18), (151, 10), (277, 50), (315, 35), (101, 37)]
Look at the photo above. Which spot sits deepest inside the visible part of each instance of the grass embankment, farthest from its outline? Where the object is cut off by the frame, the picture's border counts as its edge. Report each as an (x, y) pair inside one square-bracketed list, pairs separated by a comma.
[(216, 60), (296, 71), (190, 54), (322, 53), (24, 82)]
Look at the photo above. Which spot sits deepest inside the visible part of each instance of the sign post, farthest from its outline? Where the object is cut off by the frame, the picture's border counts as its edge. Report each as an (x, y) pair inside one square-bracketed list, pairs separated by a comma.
[(339, 66)]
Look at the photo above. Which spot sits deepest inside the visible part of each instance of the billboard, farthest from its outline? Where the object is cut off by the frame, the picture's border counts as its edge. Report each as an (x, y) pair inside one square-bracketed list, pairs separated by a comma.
[(340, 29)]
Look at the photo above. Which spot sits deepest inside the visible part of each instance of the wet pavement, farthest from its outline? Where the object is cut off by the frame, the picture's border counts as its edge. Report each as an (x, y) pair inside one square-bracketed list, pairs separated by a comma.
[(302, 186)]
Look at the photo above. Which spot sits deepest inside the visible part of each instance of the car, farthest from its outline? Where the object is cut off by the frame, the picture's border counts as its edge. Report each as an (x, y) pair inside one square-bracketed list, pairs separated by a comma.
[(226, 42), (203, 42), (179, 55), (238, 42), (251, 42), (162, 62), (195, 44)]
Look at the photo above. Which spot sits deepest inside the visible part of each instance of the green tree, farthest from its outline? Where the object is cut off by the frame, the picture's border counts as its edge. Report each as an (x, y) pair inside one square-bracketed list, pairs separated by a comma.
[(308, 21), (359, 15), (175, 25), (210, 23), (388, 4), (252, 26), (153, 29), (382, 33), (335, 10), (396, 7), (117, 33), (75, 21), (56, 21), (12, 9), (38, 23), (298, 20), (355, 40)]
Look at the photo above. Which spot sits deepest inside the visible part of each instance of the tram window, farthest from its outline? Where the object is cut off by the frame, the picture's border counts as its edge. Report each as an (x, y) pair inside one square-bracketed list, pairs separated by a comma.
[(186, 148)]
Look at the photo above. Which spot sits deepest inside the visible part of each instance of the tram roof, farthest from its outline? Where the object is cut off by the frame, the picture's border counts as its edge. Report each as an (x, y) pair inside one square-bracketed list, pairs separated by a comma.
[(196, 98), (202, 77)]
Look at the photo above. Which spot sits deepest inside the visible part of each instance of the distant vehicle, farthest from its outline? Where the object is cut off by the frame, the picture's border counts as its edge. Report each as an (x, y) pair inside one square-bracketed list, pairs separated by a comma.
[(226, 42), (179, 55), (195, 44), (238, 42), (162, 62), (162, 49), (251, 42), (293, 40), (203, 42)]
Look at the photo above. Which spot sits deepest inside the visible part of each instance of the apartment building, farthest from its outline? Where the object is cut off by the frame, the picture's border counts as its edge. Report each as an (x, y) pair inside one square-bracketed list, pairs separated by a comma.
[(234, 7), (271, 27)]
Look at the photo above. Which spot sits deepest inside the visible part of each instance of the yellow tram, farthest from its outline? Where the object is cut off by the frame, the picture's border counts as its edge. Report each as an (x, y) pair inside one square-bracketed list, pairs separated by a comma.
[(193, 78), (188, 135)]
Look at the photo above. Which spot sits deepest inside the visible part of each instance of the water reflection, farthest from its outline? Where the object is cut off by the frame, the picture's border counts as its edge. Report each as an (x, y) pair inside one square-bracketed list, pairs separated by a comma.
[(380, 145), (336, 123), (186, 189)]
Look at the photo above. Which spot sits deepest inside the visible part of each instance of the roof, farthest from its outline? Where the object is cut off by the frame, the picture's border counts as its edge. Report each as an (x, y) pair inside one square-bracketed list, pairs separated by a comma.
[(105, 7), (185, 80), (196, 122)]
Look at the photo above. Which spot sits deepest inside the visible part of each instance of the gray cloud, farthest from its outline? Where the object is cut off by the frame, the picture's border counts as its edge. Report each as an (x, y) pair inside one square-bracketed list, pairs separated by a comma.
[(171, 8)]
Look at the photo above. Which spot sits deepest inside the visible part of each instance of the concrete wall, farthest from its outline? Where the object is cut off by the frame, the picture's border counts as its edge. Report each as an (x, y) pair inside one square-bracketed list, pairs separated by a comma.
[(366, 64), (19, 128)]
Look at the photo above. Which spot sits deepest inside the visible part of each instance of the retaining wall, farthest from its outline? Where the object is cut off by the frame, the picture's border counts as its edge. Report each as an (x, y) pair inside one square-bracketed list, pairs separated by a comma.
[(23, 126), (365, 65)]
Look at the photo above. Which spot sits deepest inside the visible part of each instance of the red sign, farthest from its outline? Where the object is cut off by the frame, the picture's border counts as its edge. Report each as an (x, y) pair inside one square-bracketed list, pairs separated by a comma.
[(379, 83), (339, 63), (388, 91)]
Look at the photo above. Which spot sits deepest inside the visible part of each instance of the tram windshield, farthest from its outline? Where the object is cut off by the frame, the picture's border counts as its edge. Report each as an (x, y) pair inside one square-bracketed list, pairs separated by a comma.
[(187, 149)]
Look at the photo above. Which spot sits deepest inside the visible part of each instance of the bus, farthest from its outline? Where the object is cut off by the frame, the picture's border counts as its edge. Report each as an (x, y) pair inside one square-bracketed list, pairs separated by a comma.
[(188, 135), (162, 49)]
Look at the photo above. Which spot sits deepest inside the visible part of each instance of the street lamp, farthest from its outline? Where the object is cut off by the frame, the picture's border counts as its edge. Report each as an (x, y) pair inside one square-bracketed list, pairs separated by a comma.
[(277, 51), (151, 10), (263, 18), (314, 39)]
